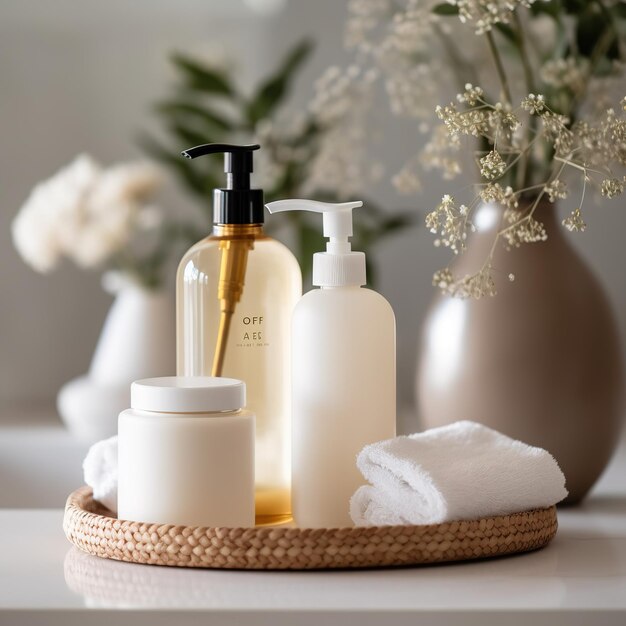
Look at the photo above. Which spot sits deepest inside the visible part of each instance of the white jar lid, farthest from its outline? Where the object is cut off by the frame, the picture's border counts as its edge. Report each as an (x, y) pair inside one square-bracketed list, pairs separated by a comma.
[(188, 394)]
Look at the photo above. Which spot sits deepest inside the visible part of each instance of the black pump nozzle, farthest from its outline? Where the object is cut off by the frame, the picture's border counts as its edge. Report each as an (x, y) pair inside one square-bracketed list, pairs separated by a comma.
[(236, 203)]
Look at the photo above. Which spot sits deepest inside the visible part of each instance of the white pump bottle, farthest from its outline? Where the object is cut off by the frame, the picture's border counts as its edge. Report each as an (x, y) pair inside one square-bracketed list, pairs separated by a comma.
[(343, 373)]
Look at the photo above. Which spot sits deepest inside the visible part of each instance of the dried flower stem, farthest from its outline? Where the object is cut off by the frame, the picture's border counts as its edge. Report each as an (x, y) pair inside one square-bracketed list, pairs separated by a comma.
[(506, 91), (522, 173), (582, 168), (463, 71), (526, 218), (519, 156), (523, 52), (582, 198)]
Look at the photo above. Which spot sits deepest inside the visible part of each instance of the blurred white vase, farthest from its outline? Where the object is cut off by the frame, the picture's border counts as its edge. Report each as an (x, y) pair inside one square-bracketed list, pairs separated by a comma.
[(137, 341)]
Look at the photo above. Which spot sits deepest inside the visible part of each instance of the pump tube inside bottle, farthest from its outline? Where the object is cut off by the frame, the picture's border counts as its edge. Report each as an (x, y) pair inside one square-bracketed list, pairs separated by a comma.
[(234, 253)]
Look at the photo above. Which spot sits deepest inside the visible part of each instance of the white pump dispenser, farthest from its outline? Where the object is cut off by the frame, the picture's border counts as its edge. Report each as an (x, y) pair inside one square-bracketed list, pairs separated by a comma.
[(343, 373), (338, 266)]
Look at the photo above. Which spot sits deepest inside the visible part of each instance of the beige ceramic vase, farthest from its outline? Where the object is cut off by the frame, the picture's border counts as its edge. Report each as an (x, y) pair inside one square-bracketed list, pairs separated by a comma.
[(539, 362)]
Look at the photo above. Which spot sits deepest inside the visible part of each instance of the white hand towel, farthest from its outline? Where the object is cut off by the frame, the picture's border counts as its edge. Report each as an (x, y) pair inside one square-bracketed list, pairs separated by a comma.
[(100, 472), (461, 471)]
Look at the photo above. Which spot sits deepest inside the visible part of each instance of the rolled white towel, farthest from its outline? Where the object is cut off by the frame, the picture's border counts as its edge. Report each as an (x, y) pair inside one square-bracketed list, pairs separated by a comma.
[(461, 471), (100, 472)]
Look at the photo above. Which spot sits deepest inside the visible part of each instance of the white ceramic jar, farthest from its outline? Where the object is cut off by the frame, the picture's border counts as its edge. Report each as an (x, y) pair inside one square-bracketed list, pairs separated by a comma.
[(186, 453)]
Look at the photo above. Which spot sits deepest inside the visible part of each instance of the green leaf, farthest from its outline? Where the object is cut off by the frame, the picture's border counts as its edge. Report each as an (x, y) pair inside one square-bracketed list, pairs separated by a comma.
[(446, 9), (396, 223), (508, 32), (552, 8), (574, 7), (202, 78), (191, 177), (590, 29), (619, 9), (289, 182), (187, 135), (273, 91), (296, 57), (204, 115)]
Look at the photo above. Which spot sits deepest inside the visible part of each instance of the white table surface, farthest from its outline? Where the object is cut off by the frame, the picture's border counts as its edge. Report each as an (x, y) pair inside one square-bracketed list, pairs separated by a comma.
[(580, 578)]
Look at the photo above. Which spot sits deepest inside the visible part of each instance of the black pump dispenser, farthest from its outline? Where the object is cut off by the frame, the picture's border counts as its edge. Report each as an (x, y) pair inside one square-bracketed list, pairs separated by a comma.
[(236, 203)]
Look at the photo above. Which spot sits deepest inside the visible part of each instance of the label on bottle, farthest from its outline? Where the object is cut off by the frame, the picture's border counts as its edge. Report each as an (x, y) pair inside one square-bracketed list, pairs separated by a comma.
[(251, 332)]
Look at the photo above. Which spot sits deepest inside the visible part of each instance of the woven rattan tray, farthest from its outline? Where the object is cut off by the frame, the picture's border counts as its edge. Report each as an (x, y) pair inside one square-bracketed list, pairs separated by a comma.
[(95, 530)]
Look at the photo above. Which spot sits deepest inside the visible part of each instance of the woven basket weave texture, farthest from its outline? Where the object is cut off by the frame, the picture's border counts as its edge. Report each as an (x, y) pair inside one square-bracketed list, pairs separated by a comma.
[(94, 529)]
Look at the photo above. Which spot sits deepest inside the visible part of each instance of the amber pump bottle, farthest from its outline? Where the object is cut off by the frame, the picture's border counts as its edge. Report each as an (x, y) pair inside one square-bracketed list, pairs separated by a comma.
[(236, 290)]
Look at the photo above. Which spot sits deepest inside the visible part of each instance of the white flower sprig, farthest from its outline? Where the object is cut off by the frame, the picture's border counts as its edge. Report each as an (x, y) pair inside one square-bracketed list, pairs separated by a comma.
[(341, 106), (526, 70), (593, 151), (485, 14), (85, 213)]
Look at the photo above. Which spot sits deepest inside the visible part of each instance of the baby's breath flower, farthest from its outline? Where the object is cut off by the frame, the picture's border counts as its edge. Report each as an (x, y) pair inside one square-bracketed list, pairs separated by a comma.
[(509, 198), (473, 122), (612, 187), (408, 91), (556, 130), (554, 123), (534, 104), (502, 120), (450, 223), (485, 14), (603, 143), (363, 17), (556, 189), (569, 73), (492, 166), (432, 222), (406, 181), (512, 215), (475, 286), (338, 91), (617, 131), (410, 27), (440, 153), (471, 95), (341, 106), (443, 279), (450, 117), (494, 192), (564, 142), (574, 221), (526, 230)]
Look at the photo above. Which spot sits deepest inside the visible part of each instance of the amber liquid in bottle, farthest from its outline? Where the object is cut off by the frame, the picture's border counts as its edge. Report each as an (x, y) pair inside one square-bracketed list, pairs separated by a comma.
[(255, 335)]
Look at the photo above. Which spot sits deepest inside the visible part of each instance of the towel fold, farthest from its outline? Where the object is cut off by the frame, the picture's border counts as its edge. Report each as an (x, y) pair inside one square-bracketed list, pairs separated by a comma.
[(100, 472), (460, 471)]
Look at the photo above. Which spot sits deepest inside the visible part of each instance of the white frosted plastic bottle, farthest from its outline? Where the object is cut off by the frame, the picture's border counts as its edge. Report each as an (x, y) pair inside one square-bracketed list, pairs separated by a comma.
[(343, 374)]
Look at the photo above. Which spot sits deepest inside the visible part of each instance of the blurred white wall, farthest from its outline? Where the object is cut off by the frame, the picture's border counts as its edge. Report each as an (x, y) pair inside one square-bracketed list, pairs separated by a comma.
[(80, 76)]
